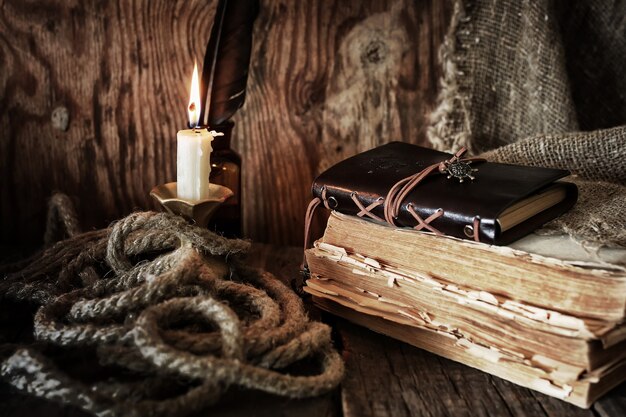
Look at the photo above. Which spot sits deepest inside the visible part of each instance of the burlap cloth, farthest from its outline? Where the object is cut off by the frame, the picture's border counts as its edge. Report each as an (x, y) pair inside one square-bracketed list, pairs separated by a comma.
[(542, 83)]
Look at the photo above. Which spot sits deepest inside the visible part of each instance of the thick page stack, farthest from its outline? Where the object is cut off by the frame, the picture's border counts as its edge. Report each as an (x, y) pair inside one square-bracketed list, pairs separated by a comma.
[(545, 317), (542, 312)]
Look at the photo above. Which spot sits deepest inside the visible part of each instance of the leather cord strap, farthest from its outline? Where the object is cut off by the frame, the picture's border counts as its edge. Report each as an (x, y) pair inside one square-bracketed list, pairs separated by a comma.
[(392, 202)]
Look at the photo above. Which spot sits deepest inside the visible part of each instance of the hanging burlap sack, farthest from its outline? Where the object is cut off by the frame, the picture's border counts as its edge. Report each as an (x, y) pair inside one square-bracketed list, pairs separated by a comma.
[(541, 83)]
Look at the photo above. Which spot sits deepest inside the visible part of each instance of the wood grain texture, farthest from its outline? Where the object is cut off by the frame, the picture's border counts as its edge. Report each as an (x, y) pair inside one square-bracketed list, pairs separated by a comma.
[(122, 71), (328, 79), (613, 404)]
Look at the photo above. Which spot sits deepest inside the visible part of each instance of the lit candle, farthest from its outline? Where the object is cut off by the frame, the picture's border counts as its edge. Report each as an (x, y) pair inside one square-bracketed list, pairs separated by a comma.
[(193, 161)]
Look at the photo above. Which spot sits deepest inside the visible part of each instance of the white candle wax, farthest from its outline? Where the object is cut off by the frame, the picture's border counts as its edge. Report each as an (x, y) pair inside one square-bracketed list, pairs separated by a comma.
[(193, 163)]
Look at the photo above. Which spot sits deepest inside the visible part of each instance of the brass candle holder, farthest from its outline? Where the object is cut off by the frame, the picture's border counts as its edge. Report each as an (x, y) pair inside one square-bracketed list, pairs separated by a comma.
[(197, 211)]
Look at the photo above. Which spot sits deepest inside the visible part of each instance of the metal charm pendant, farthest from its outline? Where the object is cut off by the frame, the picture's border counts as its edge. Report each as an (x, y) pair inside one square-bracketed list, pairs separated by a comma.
[(459, 169)]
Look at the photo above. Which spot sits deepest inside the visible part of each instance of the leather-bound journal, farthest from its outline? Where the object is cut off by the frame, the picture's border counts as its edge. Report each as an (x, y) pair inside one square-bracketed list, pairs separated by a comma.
[(412, 186)]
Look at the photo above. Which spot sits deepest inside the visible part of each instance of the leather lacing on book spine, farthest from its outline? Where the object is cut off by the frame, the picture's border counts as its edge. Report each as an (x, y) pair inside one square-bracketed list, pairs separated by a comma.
[(393, 202)]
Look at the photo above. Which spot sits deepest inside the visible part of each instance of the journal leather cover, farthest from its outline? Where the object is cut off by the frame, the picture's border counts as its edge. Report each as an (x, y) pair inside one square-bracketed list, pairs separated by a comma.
[(497, 186)]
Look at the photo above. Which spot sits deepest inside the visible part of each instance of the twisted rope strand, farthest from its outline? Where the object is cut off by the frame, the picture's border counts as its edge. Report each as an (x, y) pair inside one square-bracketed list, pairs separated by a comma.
[(124, 290)]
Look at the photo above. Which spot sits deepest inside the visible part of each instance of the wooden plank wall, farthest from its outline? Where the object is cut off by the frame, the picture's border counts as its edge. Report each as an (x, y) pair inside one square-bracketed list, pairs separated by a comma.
[(328, 79)]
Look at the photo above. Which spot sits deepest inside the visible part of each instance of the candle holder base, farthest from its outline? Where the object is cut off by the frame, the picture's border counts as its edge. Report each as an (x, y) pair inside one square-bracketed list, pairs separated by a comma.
[(198, 211)]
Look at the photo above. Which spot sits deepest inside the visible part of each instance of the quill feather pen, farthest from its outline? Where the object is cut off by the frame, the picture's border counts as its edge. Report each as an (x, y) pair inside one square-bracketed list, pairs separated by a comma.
[(226, 60)]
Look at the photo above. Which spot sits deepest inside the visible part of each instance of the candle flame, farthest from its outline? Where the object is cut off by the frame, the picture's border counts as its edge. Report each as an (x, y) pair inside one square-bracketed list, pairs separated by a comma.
[(193, 110)]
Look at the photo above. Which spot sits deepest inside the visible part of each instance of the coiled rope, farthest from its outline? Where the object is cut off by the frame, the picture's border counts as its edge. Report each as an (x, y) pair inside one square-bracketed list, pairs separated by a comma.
[(123, 293)]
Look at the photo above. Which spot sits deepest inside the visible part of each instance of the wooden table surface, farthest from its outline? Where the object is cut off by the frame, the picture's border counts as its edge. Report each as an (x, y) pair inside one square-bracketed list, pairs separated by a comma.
[(384, 378)]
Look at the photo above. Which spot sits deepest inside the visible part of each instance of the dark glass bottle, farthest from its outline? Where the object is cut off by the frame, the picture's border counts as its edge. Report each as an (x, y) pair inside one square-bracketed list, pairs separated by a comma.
[(226, 171)]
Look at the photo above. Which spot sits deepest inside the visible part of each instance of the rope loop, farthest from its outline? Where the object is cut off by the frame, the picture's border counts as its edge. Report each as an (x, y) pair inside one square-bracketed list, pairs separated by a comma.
[(174, 317)]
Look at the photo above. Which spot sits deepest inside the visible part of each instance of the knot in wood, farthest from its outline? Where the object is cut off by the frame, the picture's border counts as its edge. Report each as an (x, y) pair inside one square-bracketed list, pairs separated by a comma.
[(374, 52), (60, 118)]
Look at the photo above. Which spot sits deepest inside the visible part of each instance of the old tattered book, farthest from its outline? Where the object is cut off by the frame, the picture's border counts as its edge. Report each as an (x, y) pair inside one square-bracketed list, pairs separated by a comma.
[(543, 312)]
